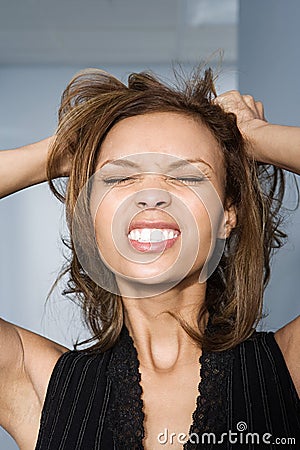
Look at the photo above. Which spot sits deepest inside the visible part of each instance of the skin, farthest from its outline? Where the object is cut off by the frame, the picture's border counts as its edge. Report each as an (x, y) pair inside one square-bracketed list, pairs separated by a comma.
[(26, 369), (159, 139)]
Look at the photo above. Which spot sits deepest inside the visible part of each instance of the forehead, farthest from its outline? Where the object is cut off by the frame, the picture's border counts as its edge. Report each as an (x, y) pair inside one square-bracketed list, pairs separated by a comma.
[(164, 133)]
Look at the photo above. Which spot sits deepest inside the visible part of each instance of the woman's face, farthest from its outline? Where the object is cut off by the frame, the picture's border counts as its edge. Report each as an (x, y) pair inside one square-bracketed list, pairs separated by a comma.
[(157, 199)]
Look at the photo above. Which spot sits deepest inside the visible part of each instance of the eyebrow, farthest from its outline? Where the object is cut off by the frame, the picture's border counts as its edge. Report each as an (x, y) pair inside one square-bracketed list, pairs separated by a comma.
[(120, 162), (185, 162), (174, 165)]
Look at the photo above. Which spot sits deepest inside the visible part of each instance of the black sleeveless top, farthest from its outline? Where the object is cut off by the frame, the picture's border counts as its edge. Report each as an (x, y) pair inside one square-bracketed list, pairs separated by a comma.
[(247, 400)]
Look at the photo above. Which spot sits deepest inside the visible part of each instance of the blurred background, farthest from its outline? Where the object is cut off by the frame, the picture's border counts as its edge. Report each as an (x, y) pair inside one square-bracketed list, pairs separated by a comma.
[(43, 44)]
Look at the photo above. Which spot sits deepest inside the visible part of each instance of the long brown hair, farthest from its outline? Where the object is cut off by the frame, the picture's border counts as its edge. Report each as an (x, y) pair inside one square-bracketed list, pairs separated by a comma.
[(93, 102)]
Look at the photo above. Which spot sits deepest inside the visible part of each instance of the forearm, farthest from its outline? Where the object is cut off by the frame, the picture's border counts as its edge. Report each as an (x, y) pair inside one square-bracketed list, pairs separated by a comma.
[(23, 167), (277, 144)]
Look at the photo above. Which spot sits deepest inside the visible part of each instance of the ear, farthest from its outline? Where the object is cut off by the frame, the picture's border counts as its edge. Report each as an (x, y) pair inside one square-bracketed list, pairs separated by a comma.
[(230, 219)]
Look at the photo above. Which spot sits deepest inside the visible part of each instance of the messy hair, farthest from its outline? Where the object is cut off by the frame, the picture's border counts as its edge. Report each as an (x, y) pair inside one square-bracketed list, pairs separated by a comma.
[(93, 102)]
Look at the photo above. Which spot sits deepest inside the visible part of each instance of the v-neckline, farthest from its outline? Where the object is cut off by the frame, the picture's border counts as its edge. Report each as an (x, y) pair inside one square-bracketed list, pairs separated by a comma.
[(125, 411)]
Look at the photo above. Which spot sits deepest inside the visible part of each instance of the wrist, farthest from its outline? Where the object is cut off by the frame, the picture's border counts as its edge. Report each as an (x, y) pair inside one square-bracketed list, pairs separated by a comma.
[(39, 153), (258, 136)]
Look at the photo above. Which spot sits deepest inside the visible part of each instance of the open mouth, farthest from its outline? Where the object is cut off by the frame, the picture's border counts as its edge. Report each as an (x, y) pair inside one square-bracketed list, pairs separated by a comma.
[(153, 239)]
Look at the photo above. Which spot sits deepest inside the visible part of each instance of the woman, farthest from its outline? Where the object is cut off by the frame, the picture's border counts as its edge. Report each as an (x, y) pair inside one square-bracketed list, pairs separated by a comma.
[(173, 218)]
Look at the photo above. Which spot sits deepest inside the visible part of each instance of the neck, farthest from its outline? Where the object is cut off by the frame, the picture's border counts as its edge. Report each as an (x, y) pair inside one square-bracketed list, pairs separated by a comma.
[(161, 342)]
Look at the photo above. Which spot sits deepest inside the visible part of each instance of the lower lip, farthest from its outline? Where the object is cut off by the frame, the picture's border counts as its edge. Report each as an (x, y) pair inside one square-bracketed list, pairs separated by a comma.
[(153, 247)]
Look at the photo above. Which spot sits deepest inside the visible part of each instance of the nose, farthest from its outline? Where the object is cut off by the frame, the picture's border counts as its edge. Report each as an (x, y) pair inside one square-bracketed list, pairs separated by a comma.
[(152, 198)]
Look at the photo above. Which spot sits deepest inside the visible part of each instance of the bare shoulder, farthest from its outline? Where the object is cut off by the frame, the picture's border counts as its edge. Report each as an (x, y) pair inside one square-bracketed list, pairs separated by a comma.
[(40, 357), (288, 339), (27, 358), (27, 361)]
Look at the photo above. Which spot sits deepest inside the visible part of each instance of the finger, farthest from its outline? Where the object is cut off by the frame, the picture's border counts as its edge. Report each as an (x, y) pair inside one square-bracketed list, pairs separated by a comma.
[(261, 111), (231, 93), (229, 102), (228, 97), (255, 106), (249, 101)]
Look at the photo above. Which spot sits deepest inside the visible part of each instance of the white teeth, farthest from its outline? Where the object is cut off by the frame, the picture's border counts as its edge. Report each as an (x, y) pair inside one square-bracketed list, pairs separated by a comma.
[(145, 234), (152, 234), (166, 234), (135, 235), (156, 235)]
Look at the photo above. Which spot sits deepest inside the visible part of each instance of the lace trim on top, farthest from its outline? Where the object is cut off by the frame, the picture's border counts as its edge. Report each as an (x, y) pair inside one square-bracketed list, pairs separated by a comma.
[(212, 407), (125, 412)]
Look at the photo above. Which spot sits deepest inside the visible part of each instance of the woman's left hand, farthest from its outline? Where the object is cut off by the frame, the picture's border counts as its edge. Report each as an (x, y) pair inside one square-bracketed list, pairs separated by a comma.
[(249, 112), (265, 142)]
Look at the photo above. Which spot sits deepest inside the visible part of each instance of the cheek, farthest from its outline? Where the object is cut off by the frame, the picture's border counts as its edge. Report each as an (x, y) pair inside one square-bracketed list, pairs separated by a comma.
[(109, 228), (205, 230), (207, 209), (208, 215), (103, 222), (202, 217)]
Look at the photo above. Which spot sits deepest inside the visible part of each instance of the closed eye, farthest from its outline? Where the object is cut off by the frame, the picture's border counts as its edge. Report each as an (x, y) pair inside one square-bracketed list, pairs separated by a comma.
[(191, 180), (185, 180), (111, 181)]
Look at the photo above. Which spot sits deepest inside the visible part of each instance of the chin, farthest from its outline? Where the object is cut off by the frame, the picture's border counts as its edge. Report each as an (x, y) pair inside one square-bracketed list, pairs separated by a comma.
[(144, 289), (151, 278)]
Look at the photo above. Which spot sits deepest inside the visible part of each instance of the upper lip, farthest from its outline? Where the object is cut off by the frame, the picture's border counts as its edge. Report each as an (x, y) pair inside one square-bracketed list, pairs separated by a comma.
[(152, 224)]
